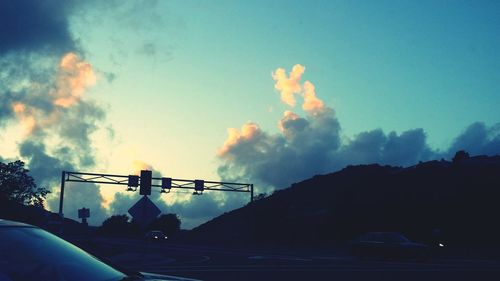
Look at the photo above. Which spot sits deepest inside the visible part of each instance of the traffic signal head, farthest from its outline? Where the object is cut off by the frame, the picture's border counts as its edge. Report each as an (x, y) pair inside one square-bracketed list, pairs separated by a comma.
[(199, 185), (146, 177), (166, 183), (133, 181)]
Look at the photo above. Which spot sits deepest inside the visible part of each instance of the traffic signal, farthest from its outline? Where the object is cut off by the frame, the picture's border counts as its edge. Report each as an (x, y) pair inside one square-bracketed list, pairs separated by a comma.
[(199, 185), (166, 183), (133, 181), (146, 177)]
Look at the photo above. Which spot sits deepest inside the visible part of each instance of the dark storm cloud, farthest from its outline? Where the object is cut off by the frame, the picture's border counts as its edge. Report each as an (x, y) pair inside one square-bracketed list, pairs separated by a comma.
[(47, 170), (304, 146), (375, 146), (407, 148), (79, 125), (478, 139), (43, 167), (35, 26), (17, 71), (6, 112)]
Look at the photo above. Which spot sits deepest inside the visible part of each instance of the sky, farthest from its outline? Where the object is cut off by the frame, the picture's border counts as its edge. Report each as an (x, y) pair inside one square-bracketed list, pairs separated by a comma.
[(264, 92)]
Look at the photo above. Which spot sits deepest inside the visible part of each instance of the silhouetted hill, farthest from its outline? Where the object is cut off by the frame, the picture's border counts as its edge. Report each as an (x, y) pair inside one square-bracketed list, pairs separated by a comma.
[(459, 199), (14, 211)]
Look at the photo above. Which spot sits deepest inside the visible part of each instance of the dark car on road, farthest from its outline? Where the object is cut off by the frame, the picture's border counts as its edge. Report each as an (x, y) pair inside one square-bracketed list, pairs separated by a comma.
[(156, 236), (30, 253), (389, 245)]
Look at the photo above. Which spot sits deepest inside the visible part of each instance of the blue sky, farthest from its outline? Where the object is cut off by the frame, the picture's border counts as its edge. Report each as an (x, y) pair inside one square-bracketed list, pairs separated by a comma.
[(173, 76), (389, 64)]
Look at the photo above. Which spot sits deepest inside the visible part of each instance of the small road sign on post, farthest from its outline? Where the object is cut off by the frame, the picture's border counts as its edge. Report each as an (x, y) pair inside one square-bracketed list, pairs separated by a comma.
[(83, 214), (144, 211)]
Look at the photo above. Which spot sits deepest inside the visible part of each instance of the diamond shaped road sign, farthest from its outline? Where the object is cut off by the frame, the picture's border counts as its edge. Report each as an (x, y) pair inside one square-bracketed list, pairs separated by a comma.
[(144, 211)]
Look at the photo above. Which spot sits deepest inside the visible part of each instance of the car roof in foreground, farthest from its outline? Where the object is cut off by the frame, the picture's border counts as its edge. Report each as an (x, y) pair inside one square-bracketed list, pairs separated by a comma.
[(12, 223)]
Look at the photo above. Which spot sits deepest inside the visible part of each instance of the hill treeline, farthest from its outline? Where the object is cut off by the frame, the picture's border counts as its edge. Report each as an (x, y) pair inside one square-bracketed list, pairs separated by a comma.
[(459, 200)]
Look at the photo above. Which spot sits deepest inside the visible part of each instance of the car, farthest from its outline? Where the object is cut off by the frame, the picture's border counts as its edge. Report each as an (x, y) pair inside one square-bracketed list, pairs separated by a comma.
[(156, 236), (389, 245), (31, 253)]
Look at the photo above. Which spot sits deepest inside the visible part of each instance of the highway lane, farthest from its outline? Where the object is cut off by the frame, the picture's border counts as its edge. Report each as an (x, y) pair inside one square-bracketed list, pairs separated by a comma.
[(227, 263)]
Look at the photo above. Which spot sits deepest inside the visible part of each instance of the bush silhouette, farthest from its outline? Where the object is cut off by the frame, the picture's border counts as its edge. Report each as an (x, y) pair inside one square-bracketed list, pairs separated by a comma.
[(119, 225), (168, 223)]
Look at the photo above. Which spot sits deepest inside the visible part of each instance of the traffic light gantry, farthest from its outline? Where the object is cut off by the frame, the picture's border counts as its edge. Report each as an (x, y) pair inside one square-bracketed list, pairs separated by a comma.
[(145, 182)]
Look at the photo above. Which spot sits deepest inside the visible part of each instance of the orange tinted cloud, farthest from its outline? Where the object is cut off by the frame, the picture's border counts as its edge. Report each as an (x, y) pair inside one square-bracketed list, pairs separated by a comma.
[(27, 121), (288, 86), (311, 102), (248, 131), (75, 76), (291, 86), (18, 107)]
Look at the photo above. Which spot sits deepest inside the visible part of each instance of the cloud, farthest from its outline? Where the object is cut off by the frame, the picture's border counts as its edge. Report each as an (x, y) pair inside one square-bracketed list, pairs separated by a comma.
[(288, 86), (375, 146), (35, 26), (44, 80), (314, 144), (477, 139), (55, 111), (302, 147), (311, 102), (75, 76)]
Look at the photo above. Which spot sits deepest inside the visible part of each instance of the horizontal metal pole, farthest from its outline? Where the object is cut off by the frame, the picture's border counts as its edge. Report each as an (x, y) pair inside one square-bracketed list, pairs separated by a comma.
[(156, 185), (94, 181), (155, 178), (94, 174), (188, 184), (209, 189), (216, 182)]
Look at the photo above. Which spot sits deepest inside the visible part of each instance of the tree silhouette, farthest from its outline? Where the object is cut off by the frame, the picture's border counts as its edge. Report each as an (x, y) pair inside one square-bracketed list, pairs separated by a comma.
[(16, 185), (118, 225), (168, 223), (460, 155), (260, 196)]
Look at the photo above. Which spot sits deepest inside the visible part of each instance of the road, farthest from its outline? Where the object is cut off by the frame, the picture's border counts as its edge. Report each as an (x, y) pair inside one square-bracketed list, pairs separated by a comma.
[(226, 263)]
